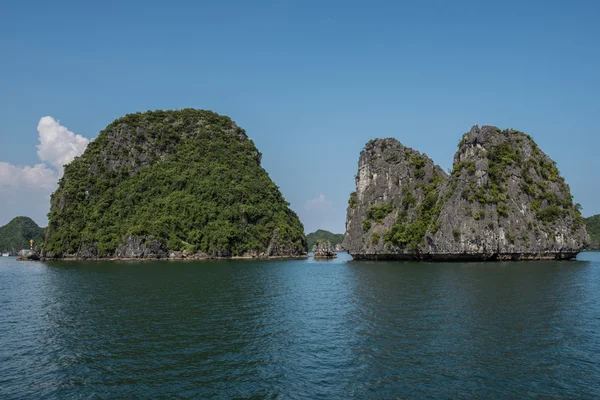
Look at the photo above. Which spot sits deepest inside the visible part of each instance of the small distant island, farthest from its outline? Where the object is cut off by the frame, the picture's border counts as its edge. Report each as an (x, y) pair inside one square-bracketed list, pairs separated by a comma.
[(593, 229), (323, 250), (335, 239), (16, 235)]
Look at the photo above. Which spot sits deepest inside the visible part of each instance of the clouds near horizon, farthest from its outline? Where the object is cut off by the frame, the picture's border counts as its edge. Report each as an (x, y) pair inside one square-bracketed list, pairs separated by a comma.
[(25, 190)]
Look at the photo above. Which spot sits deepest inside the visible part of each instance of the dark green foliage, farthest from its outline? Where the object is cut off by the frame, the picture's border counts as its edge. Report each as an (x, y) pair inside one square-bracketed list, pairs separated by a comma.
[(418, 162), (468, 165), (16, 235), (378, 212), (352, 200), (375, 238), (593, 227), (502, 209), (456, 234), (366, 225), (199, 187), (550, 213), (320, 234), (410, 234), (408, 198)]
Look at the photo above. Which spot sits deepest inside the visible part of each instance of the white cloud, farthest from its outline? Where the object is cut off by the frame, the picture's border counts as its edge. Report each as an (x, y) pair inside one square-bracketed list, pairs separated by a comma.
[(38, 178), (25, 190), (58, 145)]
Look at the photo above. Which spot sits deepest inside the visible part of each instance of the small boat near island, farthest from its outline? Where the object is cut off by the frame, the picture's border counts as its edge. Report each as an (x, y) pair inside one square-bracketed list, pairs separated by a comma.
[(5, 254)]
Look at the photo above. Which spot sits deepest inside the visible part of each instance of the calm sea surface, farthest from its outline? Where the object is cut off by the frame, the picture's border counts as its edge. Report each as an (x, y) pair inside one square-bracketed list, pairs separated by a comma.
[(300, 330)]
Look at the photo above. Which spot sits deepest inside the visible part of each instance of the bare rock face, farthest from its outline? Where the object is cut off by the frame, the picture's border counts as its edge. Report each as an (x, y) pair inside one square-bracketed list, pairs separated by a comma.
[(28, 255), (394, 183), (323, 249), (141, 247), (505, 199)]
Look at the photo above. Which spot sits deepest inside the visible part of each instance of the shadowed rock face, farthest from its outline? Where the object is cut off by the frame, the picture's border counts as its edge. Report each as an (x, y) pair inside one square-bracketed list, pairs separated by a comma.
[(505, 199)]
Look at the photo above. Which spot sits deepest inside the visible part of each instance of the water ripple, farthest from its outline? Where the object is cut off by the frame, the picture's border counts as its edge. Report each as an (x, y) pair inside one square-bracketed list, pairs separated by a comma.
[(300, 330)]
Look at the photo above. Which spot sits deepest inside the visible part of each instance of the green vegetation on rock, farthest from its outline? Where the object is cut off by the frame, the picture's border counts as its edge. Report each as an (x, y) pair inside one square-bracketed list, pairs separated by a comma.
[(16, 235), (320, 235), (548, 205), (410, 233), (593, 229), (352, 200), (375, 238), (378, 212), (190, 179)]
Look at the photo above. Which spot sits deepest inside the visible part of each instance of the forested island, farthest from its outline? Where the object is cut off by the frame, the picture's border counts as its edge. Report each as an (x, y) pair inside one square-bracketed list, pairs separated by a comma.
[(171, 184), (593, 228), (16, 235), (503, 200), (334, 239)]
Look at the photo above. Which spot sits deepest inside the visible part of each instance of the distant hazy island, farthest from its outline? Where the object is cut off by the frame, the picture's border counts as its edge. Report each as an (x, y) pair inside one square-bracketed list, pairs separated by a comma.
[(335, 239), (593, 228), (171, 184), (16, 235), (503, 200)]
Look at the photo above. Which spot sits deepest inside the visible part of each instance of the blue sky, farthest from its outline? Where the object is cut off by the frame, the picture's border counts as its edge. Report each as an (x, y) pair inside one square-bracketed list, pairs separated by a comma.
[(310, 81)]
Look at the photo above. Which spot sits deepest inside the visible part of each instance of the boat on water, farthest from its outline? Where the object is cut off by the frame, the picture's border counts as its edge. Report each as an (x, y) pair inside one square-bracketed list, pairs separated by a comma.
[(5, 254)]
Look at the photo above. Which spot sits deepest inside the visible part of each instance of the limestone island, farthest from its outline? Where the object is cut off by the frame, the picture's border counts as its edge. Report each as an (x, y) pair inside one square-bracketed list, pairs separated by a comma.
[(503, 200), (323, 250), (18, 234), (170, 185)]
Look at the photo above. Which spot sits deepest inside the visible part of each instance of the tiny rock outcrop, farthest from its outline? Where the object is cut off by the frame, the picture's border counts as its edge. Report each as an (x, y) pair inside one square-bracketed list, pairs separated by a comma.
[(323, 249), (505, 199), (28, 255)]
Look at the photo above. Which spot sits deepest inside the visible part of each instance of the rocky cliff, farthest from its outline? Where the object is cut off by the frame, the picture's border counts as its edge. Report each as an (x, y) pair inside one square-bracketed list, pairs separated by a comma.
[(171, 184), (504, 199)]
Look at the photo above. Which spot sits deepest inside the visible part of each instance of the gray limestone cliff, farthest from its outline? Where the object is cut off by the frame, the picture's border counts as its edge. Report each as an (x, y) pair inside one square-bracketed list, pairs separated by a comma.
[(504, 199)]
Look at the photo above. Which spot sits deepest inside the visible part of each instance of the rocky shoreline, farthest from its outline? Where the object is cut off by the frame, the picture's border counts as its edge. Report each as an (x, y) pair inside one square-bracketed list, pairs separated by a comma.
[(465, 257), (37, 257)]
